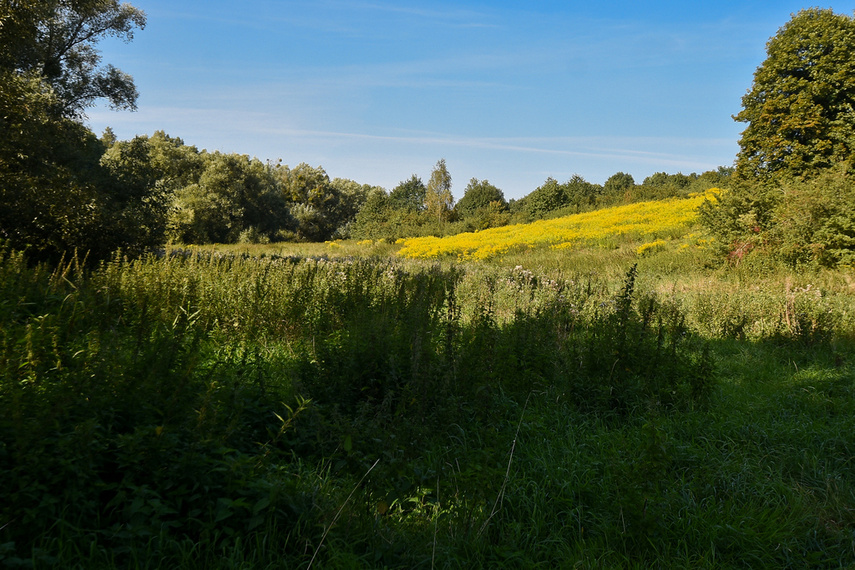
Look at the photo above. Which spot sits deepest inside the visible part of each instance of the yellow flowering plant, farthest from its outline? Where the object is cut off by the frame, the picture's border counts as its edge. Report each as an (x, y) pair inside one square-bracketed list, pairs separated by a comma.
[(642, 220)]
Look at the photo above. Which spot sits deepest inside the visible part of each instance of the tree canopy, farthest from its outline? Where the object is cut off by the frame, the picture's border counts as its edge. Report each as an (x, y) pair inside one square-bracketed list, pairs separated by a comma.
[(409, 195), (800, 110), (56, 39), (59, 192), (438, 198), (478, 196), (576, 194), (618, 185), (793, 191)]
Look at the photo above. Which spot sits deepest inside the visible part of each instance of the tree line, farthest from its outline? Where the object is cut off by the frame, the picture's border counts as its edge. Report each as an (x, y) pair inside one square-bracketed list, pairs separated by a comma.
[(63, 188)]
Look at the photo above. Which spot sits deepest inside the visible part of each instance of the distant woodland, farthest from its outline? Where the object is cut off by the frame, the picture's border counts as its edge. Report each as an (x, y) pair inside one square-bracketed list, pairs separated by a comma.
[(63, 188)]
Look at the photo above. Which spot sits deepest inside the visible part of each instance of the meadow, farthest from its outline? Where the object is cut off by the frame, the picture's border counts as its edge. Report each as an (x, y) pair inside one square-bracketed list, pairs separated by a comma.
[(651, 220), (621, 401)]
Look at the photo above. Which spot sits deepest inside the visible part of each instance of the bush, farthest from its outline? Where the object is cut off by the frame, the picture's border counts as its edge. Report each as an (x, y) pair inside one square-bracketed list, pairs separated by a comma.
[(814, 223), (798, 222)]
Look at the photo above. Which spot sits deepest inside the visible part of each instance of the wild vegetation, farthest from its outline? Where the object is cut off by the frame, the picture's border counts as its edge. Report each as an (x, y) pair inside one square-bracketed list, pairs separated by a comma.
[(642, 220), (622, 376), (220, 409), (793, 193)]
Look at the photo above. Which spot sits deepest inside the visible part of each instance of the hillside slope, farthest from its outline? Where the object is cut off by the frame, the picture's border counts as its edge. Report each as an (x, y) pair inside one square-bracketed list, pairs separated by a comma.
[(640, 221)]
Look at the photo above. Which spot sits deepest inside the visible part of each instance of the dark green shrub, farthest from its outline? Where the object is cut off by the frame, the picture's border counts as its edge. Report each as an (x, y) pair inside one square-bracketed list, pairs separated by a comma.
[(814, 222)]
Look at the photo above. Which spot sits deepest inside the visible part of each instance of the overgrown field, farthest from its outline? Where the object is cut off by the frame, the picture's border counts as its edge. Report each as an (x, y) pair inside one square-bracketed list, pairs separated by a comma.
[(622, 407), (651, 222)]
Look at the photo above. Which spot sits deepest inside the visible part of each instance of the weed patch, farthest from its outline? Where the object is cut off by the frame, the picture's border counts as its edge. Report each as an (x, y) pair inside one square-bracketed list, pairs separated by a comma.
[(223, 410)]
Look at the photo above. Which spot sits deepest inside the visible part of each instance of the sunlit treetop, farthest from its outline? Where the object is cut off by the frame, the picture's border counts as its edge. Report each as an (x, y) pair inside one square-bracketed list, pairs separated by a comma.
[(800, 110), (55, 39)]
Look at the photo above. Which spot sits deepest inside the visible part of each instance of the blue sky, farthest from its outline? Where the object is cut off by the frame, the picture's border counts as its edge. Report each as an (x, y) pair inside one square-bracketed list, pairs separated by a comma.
[(511, 92)]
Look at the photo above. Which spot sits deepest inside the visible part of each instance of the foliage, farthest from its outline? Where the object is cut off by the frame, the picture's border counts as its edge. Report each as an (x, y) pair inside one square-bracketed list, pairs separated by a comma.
[(799, 222), (409, 195), (573, 196), (799, 109), (57, 194), (60, 194), (814, 221), (321, 209), (372, 220), (224, 198), (154, 412), (482, 206), (738, 217), (175, 163), (618, 186), (438, 198), (546, 198), (55, 40), (479, 194), (352, 196), (403, 212), (121, 430), (661, 186), (141, 190), (793, 194), (580, 194), (152, 395), (232, 194)]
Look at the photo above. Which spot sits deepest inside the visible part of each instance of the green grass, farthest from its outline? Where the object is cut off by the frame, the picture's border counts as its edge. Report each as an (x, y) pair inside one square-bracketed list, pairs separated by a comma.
[(335, 406)]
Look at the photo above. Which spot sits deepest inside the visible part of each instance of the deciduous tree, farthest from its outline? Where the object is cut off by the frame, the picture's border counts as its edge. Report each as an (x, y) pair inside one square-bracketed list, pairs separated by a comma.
[(438, 198), (234, 194), (477, 196), (56, 195), (56, 40), (800, 111), (619, 187), (409, 195)]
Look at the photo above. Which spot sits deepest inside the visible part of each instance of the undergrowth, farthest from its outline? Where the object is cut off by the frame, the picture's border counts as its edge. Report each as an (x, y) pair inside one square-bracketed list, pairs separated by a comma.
[(201, 410)]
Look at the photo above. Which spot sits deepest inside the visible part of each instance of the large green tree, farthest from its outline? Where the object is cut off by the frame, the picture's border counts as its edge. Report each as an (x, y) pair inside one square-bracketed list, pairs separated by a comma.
[(792, 190), (618, 187), (546, 198), (409, 195), (235, 196), (479, 194), (576, 195), (800, 111), (312, 200), (482, 206), (48, 202), (352, 197), (56, 40), (56, 193), (150, 174), (61, 191), (581, 194), (400, 213)]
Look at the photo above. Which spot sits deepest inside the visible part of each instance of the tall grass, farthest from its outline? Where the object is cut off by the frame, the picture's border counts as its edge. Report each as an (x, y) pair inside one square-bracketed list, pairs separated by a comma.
[(223, 410)]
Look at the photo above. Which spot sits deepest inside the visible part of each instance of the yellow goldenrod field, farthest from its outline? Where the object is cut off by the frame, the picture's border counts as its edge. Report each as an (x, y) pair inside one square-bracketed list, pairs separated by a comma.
[(642, 220)]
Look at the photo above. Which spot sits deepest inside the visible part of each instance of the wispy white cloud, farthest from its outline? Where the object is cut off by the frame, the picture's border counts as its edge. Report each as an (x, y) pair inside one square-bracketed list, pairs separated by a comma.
[(259, 124), (632, 149), (391, 84)]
